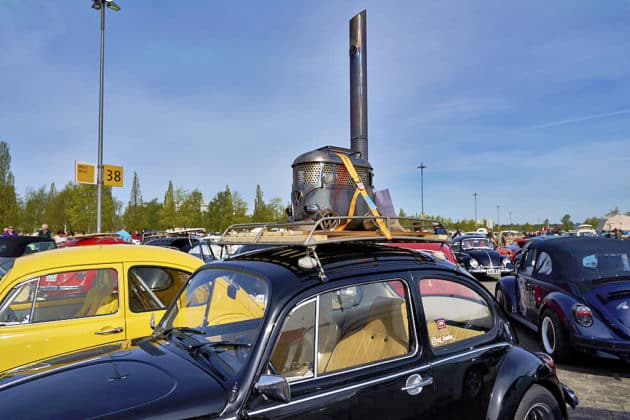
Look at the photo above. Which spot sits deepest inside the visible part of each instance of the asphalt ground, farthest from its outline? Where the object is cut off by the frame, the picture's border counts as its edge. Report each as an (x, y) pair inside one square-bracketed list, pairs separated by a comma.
[(602, 385)]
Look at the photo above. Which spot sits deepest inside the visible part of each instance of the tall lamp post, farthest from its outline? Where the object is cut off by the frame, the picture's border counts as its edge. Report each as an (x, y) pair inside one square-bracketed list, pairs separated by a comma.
[(101, 5), (475, 195), (421, 167), (498, 215)]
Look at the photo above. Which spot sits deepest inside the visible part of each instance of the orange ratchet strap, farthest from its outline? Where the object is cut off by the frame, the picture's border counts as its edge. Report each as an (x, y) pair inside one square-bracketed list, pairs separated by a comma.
[(361, 190)]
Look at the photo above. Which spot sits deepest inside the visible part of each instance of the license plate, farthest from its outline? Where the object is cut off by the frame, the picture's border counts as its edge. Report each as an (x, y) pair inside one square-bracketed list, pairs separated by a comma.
[(494, 271)]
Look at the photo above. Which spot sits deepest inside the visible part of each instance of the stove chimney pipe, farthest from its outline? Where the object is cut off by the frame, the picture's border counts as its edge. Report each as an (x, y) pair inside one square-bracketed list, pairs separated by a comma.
[(358, 86)]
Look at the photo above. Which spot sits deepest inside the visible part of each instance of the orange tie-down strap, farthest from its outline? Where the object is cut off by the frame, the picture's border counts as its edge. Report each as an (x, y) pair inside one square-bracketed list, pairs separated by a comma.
[(361, 189)]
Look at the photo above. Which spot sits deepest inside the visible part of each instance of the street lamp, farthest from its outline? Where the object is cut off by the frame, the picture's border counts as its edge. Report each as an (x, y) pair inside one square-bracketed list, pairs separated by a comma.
[(498, 215), (475, 195), (98, 5), (421, 167)]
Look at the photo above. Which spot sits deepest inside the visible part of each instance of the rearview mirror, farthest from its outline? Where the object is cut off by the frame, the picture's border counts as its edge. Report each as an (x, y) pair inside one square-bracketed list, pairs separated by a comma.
[(274, 387)]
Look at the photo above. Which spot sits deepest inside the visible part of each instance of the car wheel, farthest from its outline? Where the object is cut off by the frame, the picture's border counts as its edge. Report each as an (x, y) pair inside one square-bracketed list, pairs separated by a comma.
[(551, 336), (538, 404)]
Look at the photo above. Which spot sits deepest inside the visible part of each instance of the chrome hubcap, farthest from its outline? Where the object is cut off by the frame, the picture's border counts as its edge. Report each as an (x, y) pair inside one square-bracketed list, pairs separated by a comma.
[(539, 411)]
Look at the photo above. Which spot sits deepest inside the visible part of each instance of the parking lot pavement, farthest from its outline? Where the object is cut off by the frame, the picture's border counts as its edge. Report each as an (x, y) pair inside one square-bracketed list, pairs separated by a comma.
[(602, 386)]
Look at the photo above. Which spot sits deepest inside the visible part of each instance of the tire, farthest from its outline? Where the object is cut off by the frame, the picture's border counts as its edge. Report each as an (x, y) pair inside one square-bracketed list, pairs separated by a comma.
[(538, 403), (499, 296), (552, 337)]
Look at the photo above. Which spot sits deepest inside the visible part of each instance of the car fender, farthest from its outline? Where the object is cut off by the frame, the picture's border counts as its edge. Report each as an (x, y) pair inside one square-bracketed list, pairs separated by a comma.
[(562, 303), (507, 285), (520, 370)]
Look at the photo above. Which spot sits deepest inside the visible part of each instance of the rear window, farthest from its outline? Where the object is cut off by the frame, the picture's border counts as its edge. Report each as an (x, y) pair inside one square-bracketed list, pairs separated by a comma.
[(606, 264)]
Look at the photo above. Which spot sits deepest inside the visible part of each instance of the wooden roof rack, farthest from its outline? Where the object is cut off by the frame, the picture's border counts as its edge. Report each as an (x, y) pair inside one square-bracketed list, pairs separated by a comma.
[(403, 229)]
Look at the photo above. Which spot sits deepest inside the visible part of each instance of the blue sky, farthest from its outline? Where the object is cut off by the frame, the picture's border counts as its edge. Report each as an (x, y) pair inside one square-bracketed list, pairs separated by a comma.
[(527, 104)]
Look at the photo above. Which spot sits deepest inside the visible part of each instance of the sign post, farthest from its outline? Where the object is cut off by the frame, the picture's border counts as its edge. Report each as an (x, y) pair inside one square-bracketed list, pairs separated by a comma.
[(113, 176), (84, 173)]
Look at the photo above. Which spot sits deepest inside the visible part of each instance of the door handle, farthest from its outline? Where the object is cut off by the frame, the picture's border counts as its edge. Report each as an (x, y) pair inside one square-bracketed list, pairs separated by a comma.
[(415, 383), (117, 330)]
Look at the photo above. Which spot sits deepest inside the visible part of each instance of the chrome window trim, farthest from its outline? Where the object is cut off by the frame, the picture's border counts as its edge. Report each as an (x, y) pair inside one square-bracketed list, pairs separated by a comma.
[(379, 380)]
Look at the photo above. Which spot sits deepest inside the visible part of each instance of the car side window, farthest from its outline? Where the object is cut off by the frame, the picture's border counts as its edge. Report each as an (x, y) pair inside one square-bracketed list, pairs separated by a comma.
[(453, 312), (529, 262), (356, 326), (62, 296), (153, 288), (543, 264)]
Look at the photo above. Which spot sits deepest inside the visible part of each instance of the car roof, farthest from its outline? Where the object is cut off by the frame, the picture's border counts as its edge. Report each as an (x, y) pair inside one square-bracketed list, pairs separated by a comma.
[(100, 254), (15, 246)]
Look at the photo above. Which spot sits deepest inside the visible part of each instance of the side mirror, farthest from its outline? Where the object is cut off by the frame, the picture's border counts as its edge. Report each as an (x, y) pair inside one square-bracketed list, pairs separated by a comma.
[(274, 387), (152, 322)]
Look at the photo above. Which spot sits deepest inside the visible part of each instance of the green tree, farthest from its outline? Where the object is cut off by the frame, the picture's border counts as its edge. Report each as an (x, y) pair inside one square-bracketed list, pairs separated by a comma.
[(153, 213), (402, 213), (276, 210), (191, 210), (261, 213), (34, 209), (613, 212), (567, 224), (168, 217), (134, 216), (593, 221), (9, 210)]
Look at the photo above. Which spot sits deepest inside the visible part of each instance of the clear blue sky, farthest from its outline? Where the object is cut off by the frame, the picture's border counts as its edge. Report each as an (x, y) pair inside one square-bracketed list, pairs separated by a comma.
[(527, 104)]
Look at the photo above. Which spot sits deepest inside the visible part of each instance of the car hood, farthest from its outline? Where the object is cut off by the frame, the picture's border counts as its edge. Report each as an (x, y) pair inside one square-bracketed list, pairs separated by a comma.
[(123, 380), (612, 300), (484, 256)]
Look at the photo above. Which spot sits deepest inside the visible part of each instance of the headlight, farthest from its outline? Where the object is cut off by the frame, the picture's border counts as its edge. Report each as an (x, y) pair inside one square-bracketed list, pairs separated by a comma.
[(506, 261), (473, 263), (582, 314)]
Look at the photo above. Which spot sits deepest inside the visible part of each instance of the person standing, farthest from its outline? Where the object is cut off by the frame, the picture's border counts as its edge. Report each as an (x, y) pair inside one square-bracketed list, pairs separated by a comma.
[(44, 232), (9, 232), (124, 235)]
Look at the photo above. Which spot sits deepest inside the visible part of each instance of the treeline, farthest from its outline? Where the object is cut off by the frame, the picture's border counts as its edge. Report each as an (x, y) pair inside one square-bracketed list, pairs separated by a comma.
[(73, 208)]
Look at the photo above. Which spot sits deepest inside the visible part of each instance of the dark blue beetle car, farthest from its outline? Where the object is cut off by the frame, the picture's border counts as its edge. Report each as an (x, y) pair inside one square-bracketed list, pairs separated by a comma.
[(324, 329), (575, 292)]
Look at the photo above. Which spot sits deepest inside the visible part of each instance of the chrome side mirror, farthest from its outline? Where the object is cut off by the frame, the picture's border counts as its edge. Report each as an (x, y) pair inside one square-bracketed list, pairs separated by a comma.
[(152, 322), (274, 387)]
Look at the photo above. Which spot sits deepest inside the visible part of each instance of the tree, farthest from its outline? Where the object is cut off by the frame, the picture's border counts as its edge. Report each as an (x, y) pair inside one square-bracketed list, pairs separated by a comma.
[(134, 216), (402, 213), (191, 211), (168, 217), (9, 210), (34, 209), (153, 213), (613, 212), (260, 213), (276, 210), (567, 224), (593, 221)]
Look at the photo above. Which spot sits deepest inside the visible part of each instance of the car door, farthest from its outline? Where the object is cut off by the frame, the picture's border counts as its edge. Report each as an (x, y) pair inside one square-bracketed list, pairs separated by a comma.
[(350, 352), (539, 284), (150, 289), (49, 313), (464, 341), (524, 294)]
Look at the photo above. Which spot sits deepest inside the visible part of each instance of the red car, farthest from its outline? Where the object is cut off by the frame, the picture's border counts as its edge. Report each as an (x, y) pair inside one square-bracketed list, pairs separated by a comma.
[(93, 239), (438, 249)]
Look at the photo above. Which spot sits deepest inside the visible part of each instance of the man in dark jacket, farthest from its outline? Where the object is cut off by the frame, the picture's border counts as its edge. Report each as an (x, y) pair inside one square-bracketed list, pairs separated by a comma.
[(44, 232)]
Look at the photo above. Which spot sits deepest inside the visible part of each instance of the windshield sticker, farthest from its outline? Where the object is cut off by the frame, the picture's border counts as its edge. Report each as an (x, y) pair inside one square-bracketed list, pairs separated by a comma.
[(441, 323)]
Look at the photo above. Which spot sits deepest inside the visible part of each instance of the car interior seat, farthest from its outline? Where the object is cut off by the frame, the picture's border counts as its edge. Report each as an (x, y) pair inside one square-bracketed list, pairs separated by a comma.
[(383, 335), (101, 298)]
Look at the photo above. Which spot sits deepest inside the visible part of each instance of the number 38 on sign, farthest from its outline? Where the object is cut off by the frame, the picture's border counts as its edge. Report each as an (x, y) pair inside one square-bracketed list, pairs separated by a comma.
[(112, 176)]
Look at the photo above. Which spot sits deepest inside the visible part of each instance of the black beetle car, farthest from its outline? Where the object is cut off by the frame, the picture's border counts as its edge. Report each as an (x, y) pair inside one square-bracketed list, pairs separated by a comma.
[(328, 328), (478, 255), (14, 247), (575, 292)]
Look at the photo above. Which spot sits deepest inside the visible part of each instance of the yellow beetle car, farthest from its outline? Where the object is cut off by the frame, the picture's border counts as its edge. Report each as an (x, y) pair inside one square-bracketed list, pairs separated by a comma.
[(69, 299)]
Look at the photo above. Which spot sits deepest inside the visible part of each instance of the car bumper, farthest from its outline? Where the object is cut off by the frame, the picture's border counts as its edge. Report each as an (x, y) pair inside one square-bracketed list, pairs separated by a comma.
[(569, 396), (617, 348)]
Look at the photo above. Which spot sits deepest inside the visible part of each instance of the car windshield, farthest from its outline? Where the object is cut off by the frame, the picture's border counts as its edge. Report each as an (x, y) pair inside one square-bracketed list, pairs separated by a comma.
[(605, 266), (477, 243), (219, 313)]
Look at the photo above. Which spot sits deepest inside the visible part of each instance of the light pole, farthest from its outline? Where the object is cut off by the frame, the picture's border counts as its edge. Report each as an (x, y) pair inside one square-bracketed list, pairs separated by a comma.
[(101, 5), (510, 218), (475, 195), (498, 215), (421, 167)]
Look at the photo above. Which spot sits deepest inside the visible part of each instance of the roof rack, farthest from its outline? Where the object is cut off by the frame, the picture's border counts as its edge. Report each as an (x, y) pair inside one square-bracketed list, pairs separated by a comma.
[(403, 229)]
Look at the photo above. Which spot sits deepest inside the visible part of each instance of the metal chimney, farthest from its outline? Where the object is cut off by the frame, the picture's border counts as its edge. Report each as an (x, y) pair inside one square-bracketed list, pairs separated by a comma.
[(358, 86)]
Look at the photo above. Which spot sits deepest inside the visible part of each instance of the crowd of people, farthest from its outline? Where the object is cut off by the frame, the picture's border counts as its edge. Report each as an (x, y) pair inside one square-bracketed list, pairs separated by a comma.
[(60, 236)]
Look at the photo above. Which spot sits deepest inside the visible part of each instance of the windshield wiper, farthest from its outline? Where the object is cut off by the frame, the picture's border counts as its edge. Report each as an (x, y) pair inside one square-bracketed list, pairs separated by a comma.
[(222, 344), (164, 332)]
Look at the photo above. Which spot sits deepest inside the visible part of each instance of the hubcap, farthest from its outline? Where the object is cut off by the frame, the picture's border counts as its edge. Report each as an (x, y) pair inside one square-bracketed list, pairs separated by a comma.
[(548, 335), (539, 411)]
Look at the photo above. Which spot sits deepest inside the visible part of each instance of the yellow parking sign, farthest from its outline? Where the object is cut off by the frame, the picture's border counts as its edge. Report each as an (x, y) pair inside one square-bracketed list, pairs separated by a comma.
[(84, 173), (113, 176)]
